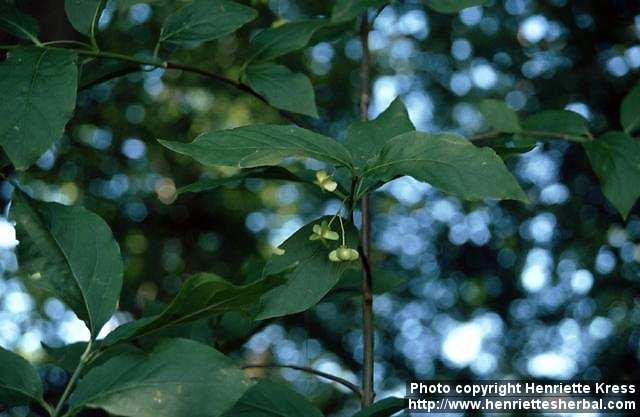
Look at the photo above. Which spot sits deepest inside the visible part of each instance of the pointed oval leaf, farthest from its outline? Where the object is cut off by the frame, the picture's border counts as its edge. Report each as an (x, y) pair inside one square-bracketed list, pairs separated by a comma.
[(19, 381), (17, 23), (256, 145), (38, 87), (500, 116), (557, 124), (282, 88), (310, 275), (84, 14), (179, 378), (345, 10), (452, 6), (366, 139), (615, 158), (448, 162), (205, 20), (274, 42), (269, 399), (630, 110), (202, 295), (70, 252), (383, 408), (552, 124)]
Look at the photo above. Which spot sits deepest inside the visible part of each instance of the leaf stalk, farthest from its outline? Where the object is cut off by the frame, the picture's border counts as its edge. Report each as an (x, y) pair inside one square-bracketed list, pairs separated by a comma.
[(353, 387), (84, 359)]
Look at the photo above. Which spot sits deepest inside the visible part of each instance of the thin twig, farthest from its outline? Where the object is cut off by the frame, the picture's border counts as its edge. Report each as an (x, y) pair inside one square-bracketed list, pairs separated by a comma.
[(177, 66), (365, 249), (331, 377), (115, 74)]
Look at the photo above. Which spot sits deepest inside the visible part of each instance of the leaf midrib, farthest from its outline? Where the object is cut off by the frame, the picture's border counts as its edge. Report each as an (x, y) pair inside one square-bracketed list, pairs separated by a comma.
[(262, 146)]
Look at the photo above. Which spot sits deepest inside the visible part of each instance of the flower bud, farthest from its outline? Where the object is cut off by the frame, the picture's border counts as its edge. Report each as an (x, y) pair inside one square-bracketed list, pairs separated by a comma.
[(322, 175), (333, 256)]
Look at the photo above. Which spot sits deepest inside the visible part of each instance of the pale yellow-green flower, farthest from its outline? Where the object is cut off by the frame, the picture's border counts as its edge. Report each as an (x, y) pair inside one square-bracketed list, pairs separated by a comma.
[(323, 232), (324, 181), (343, 254)]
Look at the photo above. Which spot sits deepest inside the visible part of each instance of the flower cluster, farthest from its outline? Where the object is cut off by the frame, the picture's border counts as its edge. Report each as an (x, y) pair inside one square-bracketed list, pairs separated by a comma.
[(324, 233)]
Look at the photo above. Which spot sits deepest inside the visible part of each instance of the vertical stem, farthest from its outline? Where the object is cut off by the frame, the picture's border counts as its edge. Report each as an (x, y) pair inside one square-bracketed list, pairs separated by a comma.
[(84, 359), (365, 238)]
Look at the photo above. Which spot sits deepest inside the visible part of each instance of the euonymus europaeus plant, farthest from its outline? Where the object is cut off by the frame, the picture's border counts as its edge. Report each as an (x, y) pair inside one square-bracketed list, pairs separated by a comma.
[(139, 369)]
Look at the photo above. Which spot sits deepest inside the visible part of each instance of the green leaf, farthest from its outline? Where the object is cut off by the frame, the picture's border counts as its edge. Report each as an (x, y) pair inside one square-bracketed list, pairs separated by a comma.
[(630, 110), (383, 282), (233, 327), (310, 275), (17, 23), (205, 20), (70, 252), (39, 90), (202, 295), (84, 14), (269, 399), (209, 184), (274, 42), (446, 161), (500, 116), (345, 10), (366, 139), (179, 378), (282, 88), (559, 121), (553, 124), (261, 144), (452, 6), (615, 158), (19, 381), (382, 408)]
